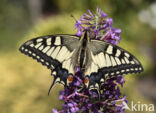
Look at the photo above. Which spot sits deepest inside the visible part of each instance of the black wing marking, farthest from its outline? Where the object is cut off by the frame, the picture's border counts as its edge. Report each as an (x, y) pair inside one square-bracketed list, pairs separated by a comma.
[(56, 52), (106, 60)]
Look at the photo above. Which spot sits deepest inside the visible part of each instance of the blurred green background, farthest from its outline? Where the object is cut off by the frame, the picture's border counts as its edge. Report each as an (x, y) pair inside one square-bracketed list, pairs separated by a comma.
[(24, 83)]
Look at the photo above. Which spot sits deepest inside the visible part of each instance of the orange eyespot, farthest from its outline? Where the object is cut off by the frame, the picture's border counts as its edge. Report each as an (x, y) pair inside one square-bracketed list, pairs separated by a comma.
[(86, 80), (70, 78)]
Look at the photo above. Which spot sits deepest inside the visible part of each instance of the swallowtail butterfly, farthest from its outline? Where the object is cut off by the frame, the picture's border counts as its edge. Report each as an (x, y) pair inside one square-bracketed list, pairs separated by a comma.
[(98, 60)]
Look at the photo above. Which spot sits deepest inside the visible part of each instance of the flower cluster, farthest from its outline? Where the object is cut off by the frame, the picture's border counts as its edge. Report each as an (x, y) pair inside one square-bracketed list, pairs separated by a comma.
[(99, 27), (108, 99)]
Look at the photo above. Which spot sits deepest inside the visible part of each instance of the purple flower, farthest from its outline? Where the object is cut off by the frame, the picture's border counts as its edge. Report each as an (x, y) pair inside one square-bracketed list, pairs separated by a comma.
[(79, 32), (55, 111), (78, 24), (103, 15), (90, 13), (109, 21), (112, 36), (78, 98), (99, 25)]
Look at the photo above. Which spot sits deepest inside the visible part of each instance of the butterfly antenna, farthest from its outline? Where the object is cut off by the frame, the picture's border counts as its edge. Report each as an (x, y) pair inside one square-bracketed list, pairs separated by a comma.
[(73, 17)]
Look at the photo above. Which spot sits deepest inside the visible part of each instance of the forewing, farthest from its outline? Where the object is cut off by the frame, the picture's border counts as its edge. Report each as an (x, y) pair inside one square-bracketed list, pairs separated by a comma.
[(56, 52)]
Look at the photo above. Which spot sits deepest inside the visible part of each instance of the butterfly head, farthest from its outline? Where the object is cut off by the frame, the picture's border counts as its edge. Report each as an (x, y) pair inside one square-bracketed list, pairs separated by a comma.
[(85, 35)]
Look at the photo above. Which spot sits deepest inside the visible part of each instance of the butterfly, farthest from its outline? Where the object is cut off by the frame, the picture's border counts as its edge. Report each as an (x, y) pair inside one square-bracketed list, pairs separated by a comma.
[(98, 60)]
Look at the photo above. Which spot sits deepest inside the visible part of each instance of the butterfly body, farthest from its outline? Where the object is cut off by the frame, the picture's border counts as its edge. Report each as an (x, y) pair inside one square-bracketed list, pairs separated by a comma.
[(98, 60), (83, 51)]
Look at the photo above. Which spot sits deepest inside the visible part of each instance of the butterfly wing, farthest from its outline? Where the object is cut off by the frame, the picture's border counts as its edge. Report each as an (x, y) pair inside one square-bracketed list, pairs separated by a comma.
[(56, 52), (106, 60)]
